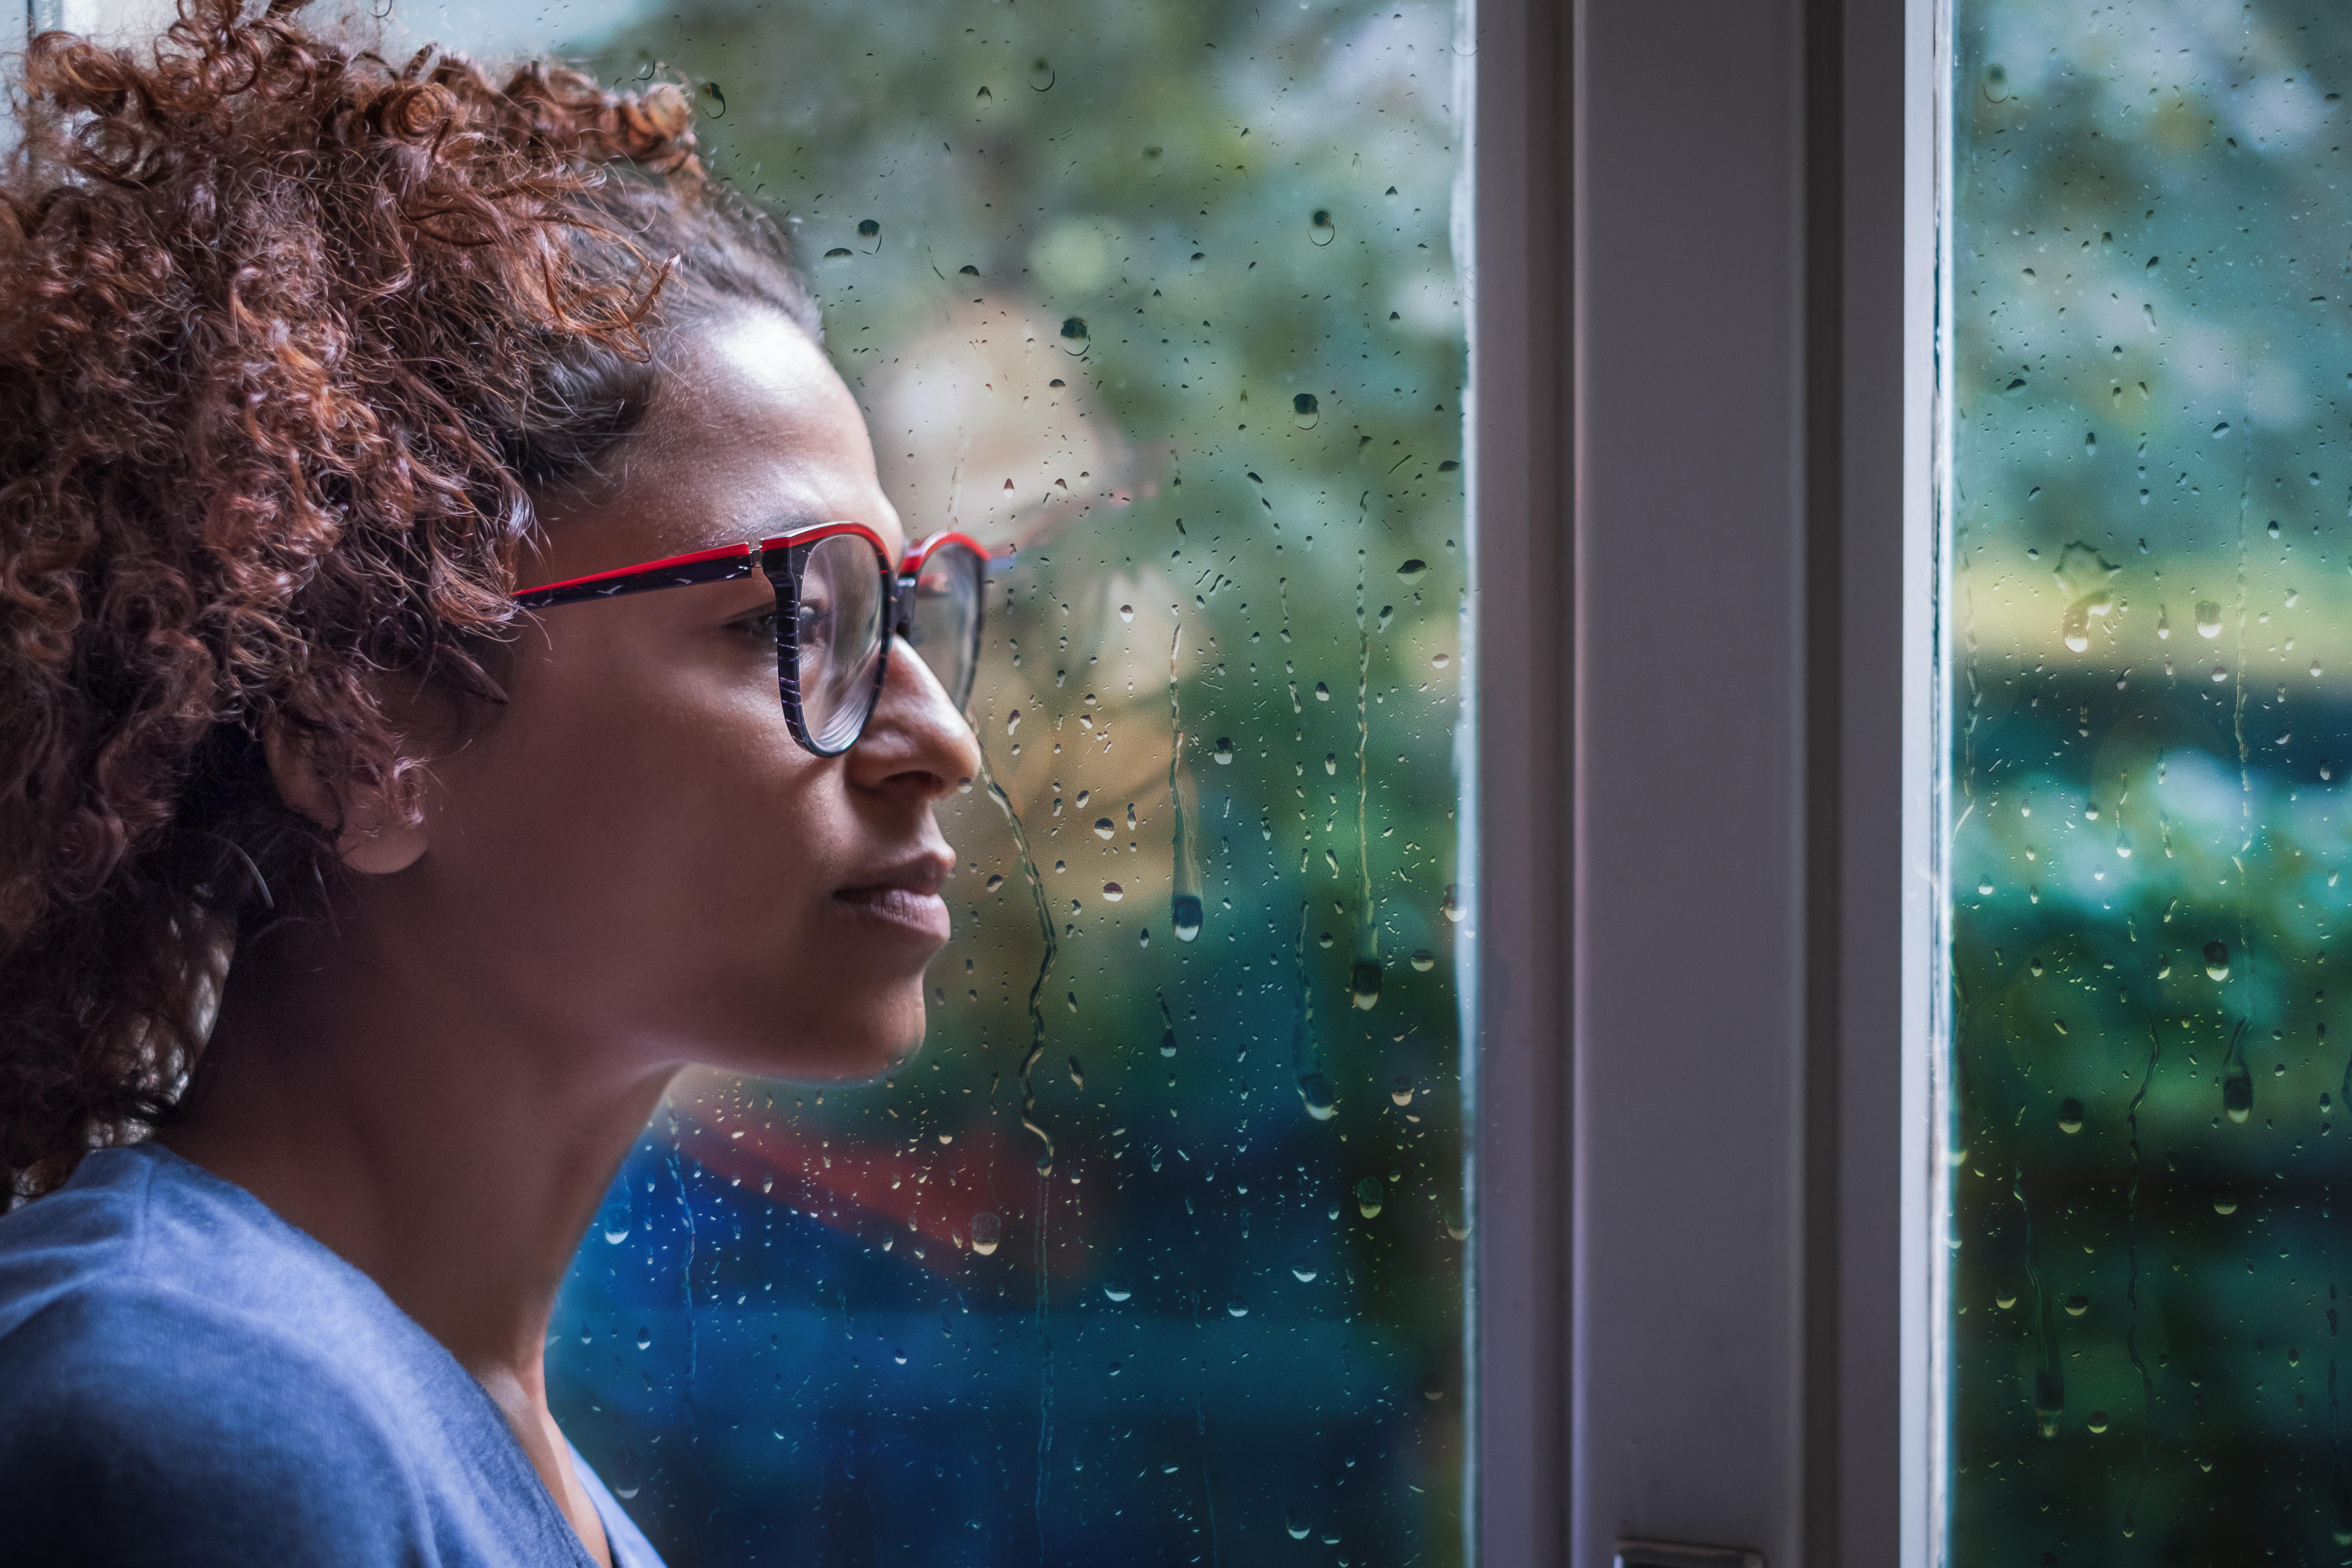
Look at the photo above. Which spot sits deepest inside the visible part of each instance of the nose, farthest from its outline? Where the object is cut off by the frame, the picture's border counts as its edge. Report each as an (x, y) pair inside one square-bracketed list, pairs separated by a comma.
[(916, 741)]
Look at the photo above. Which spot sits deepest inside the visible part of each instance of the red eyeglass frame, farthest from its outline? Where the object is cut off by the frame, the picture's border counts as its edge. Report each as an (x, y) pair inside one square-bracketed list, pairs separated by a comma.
[(779, 558)]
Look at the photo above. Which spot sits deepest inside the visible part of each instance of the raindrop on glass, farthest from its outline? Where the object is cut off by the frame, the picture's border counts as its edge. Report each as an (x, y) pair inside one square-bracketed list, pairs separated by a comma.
[(987, 1230), (1315, 1092)]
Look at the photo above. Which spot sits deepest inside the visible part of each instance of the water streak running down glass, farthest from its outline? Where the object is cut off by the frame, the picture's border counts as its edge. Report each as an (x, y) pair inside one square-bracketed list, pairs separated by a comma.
[(1157, 1252), (2149, 679)]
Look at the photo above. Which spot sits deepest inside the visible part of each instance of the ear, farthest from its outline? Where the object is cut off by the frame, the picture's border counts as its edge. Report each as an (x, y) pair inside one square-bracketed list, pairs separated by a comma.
[(376, 839)]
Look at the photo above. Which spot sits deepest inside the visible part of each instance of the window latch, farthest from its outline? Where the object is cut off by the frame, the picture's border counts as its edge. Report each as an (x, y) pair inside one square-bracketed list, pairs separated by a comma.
[(1681, 1554)]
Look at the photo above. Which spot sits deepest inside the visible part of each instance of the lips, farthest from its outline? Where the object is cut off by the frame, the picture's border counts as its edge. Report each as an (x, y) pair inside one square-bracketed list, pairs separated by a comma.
[(905, 897)]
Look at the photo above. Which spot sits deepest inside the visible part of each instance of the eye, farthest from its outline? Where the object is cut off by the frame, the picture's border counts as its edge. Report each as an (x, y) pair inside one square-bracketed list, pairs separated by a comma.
[(761, 628)]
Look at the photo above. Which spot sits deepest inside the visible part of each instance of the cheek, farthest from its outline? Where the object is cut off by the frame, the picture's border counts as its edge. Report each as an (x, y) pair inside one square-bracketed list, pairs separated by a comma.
[(643, 838)]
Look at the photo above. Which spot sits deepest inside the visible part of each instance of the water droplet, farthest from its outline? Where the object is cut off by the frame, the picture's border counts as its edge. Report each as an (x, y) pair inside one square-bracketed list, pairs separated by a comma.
[(1012, 721), (1116, 1289), (1368, 1197), (867, 229), (616, 1218), (1127, 612), (2208, 618), (1077, 1073), (2070, 1116), (1452, 908), (2005, 1300), (1186, 917), (2216, 961), (1302, 1271), (2238, 1095), (1364, 984), (645, 1338), (2163, 626), (1105, 827), (839, 253), (987, 1230), (1315, 1093), (1113, 892), (1322, 691), (1237, 1308), (1074, 335), (994, 883), (1041, 74), (2077, 1305), (2098, 1421), (1305, 412), (1424, 961), (2077, 630), (1295, 1523), (1411, 570), (1320, 230), (1330, 762), (2221, 673), (1402, 1091), (1224, 751), (710, 90)]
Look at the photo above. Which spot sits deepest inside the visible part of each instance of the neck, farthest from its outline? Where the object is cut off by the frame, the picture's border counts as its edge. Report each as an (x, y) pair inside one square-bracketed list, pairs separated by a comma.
[(429, 1139)]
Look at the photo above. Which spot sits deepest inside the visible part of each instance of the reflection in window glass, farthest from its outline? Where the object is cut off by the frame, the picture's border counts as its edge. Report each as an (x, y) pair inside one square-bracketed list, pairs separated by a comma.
[(2150, 623), (1157, 1251)]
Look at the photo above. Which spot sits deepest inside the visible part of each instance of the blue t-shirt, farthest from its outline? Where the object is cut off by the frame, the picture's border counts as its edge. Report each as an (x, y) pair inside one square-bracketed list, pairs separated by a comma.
[(186, 1379)]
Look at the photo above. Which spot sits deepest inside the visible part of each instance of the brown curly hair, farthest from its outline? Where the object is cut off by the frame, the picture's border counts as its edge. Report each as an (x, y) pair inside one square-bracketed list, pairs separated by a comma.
[(294, 343)]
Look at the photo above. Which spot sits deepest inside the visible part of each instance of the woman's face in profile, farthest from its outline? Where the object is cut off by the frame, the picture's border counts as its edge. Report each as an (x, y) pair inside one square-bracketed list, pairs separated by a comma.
[(634, 854)]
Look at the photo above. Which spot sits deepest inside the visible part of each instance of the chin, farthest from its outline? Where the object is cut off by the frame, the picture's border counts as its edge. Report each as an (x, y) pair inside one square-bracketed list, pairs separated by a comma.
[(847, 1050)]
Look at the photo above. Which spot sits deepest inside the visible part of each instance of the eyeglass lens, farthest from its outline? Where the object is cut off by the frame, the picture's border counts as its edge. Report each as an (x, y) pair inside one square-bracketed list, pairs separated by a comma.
[(838, 639), (943, 622)]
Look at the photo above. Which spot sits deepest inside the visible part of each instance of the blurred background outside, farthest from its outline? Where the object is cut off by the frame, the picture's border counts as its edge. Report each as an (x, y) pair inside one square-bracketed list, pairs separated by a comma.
[(2149, 667)]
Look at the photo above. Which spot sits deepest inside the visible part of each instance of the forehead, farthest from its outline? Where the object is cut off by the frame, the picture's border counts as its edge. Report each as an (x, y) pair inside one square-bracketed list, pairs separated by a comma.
[(751, 433)]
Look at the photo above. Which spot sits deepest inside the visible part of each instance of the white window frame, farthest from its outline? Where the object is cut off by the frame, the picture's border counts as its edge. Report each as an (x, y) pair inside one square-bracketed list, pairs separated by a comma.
[(1705, 483)]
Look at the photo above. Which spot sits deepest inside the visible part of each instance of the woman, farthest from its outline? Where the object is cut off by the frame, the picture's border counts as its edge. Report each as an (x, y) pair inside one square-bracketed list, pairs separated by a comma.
[(355, 907)]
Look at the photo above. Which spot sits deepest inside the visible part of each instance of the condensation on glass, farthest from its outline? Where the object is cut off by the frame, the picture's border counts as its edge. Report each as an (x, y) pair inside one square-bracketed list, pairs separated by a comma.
[(1157, 1251), (2147, 659)]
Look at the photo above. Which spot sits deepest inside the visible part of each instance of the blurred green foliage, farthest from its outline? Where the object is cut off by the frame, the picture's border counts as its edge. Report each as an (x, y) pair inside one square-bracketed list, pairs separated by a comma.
[(1165, 295), (2150, 708)]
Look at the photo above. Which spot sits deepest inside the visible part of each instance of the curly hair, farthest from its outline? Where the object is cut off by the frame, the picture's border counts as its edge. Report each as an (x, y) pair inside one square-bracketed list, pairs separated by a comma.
[(294, 345)]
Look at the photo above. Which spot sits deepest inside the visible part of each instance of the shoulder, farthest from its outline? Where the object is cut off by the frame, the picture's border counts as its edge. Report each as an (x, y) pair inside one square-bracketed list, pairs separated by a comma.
[(144, 1420), (134, 1424)]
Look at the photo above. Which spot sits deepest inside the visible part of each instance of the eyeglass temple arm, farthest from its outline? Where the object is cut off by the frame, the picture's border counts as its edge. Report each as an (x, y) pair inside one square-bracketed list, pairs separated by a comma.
[(724, 564)]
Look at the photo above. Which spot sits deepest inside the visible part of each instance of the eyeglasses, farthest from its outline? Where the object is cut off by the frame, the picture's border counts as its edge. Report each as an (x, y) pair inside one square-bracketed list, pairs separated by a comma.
[(839, 607)]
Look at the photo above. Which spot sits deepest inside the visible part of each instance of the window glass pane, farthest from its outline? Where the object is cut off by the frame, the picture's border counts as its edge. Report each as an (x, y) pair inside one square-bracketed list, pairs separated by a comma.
[(2149, 652), (1157, 1251)]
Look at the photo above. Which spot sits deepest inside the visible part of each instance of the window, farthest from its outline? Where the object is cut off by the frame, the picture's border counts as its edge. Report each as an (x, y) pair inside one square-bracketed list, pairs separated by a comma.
[(2144, 665), (1157, 1249)]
